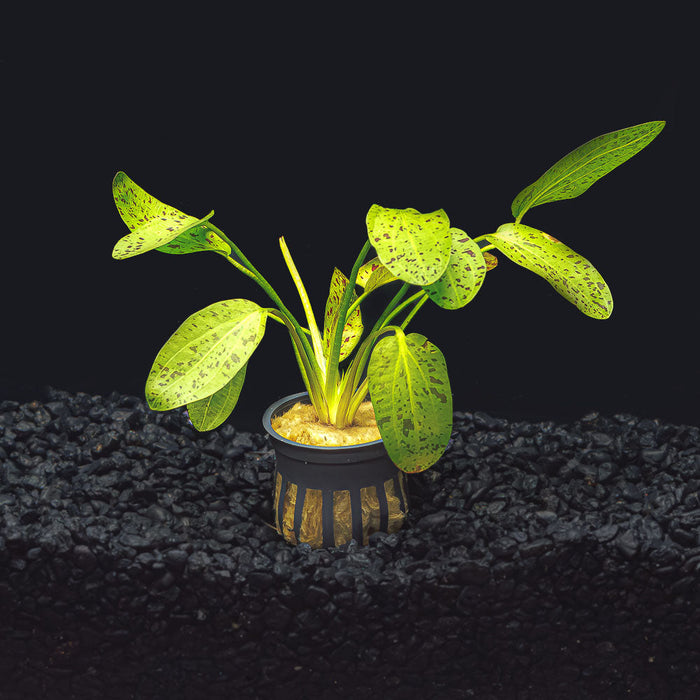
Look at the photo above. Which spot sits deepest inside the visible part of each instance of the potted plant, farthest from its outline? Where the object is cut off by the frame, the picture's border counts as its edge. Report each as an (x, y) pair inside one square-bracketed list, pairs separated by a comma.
[(396, 381)]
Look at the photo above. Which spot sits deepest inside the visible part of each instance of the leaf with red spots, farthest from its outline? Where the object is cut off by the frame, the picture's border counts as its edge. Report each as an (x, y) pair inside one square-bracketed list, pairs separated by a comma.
[(567, 271), (157, 226), (373, 274), (205, 353), (412, 399), (414, 247), (353, 328), (463, 276)]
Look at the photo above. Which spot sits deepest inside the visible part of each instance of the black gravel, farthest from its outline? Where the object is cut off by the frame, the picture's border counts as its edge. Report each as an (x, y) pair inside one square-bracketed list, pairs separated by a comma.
[(539, 560)]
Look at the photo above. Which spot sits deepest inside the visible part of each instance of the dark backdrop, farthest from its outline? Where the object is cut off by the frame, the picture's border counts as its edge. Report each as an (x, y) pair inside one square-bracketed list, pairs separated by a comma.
[(294, 122)]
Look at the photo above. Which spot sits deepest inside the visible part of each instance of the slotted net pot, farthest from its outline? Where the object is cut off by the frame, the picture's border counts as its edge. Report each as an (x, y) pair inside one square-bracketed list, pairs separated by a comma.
[(326, 496)]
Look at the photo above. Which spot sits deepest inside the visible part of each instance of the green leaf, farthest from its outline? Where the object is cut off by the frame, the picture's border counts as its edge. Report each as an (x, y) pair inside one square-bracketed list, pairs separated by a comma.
[(410, 392), (463, 276), (204, 353), (414, 247), (353, 327), (373, 274), (567, 271), (154, 225), (577, 171), (197, 239), (212, 411)]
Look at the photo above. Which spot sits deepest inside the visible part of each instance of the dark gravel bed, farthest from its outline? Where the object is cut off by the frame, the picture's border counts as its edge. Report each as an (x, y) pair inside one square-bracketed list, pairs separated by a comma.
[(539, 560)]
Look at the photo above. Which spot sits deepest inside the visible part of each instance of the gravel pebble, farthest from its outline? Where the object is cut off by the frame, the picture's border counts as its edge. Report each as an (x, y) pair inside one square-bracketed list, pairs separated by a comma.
[(137, 560)]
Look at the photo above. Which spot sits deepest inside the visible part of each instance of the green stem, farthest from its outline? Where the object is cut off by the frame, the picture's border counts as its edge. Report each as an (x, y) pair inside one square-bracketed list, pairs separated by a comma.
[(358, 301), (415, 309), (309, 368), (240, 267), (251, 271), (420, 297), (360, 387), (306, 303), (357, 399), (334, 355), (478, 239), (391, 306)]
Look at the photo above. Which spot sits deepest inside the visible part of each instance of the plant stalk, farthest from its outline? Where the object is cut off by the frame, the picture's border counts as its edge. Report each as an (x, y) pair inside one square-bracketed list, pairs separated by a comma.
[(306, 303), (254, 274), (332, 371)]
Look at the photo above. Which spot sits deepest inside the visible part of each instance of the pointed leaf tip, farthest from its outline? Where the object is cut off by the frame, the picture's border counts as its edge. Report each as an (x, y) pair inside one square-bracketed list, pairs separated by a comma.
[(573, 174)]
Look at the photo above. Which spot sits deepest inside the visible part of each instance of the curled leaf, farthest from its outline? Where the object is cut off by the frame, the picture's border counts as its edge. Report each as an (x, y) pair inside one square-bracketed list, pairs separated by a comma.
[(155, 225), (198, 238), (568, 272)]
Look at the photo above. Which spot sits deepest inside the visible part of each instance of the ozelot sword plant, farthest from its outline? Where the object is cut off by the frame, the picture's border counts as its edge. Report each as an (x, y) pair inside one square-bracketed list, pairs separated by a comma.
[(203, 364)]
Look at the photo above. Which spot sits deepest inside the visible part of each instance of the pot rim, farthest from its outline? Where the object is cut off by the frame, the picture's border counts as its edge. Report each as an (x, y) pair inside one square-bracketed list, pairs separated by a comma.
[(293, 398)]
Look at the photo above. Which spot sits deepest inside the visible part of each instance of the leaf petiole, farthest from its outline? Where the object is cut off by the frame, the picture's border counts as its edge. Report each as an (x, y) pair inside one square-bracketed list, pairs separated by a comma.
[(306, 303), (420, 297), (250, 270), (334, 354)]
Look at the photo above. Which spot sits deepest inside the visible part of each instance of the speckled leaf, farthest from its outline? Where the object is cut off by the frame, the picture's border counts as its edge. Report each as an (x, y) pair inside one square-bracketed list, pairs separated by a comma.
[(414, 247), (205, 353), (463, 276), (373, 274), (197, 239), (353, 328), (410, 392), (491, 261), (577, 171), (212, 411), (152, 223), (567, 271)]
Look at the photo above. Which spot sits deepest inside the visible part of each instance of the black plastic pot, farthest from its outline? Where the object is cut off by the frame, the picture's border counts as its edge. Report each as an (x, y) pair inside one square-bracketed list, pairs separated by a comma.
[(326, 496)]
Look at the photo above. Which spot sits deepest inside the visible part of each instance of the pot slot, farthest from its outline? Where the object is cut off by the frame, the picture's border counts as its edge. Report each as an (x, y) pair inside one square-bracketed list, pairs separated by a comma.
[(326, 518)]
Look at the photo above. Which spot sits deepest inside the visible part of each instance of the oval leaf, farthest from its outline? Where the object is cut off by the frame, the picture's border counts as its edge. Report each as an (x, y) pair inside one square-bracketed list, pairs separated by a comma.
[(414, 247), (204, 353), (567, 271), (463, 276), (577, 171), (410, 392), (353, 328), (152, 223), (211, 412)]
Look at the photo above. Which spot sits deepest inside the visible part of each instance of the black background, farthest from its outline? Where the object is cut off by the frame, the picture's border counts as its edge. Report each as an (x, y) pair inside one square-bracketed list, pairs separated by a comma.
[(293, 122)]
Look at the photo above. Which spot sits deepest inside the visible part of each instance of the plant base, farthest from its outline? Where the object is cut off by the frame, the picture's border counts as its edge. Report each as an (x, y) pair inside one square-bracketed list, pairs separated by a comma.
[(301, 424)]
